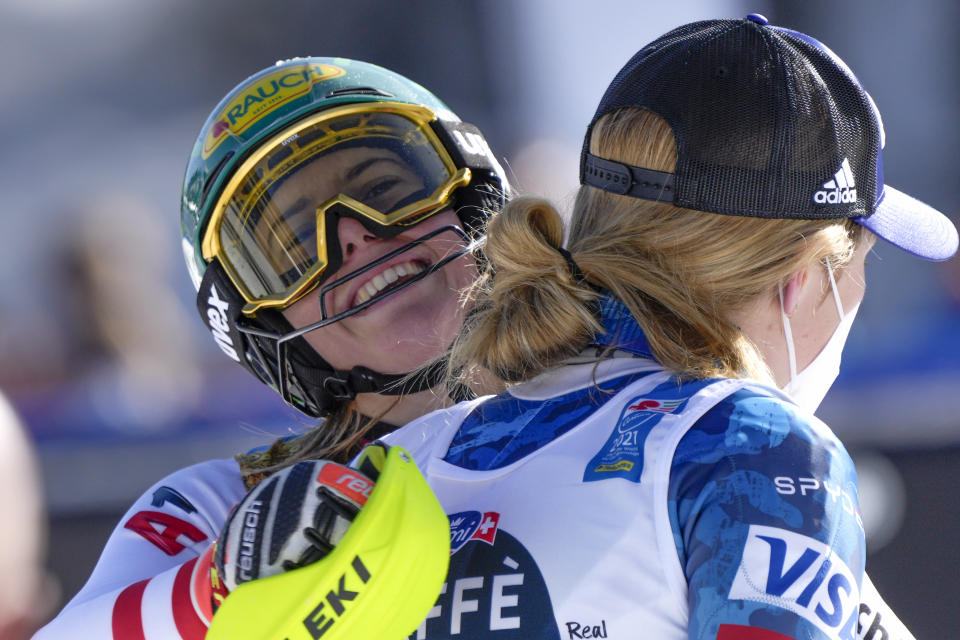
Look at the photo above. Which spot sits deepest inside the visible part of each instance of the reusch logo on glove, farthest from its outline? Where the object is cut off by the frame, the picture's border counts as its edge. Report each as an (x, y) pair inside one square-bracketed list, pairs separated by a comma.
[(251, 533), (350, 483)]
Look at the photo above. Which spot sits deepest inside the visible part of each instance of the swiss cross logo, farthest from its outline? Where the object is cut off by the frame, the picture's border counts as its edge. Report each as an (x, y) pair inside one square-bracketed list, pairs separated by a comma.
[(350, 483), (473, 525), (487, 531)]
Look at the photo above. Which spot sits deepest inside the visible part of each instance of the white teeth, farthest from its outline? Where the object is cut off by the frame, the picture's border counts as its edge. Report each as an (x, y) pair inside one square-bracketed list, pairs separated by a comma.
[(381, 281)]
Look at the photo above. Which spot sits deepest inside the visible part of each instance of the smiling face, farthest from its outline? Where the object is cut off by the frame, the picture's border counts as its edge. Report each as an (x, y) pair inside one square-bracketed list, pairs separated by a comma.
[(405, 330), (381, 166)]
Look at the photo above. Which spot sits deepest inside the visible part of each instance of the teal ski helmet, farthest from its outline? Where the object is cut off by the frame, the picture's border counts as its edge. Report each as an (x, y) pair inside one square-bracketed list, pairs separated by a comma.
[(250, 258)]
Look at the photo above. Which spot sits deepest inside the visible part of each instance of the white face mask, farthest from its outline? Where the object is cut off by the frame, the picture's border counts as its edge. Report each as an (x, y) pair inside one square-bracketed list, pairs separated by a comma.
[(809, 387)]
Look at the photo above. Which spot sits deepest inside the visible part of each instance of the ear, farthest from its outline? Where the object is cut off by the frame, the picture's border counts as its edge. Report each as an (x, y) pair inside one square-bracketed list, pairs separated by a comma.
[(791, 291)]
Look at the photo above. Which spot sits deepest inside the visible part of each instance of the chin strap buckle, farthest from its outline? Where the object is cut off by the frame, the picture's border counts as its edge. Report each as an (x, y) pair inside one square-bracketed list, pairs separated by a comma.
[(345, 385), (364, 380), (339, 388)]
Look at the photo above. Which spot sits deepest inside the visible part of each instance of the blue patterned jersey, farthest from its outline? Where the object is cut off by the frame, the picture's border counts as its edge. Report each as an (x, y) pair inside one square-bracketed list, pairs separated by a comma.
[(752, 475), (599, 500), (609, 499)]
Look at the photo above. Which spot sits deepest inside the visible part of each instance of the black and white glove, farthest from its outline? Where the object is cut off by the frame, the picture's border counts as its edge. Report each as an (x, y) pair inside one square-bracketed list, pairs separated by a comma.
[(319, 550), (293, 518)]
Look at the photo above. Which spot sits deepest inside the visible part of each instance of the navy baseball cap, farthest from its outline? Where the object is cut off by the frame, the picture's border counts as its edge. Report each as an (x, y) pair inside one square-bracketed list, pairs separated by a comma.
[(768, 123)]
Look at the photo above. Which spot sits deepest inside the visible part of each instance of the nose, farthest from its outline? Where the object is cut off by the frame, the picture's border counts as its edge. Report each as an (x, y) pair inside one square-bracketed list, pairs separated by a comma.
[(352, 236)]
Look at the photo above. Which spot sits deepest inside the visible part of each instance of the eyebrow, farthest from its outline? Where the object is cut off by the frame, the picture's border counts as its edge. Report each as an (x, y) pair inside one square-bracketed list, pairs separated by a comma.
[(303, 202), (298, 206), (360, 167)]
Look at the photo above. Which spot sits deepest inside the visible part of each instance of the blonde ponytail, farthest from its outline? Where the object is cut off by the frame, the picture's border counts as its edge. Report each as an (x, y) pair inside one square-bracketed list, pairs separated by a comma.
[(535, 312)]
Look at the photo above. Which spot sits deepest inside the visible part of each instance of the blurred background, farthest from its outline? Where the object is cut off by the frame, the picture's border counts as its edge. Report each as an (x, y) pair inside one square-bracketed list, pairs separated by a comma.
[(103, 355)]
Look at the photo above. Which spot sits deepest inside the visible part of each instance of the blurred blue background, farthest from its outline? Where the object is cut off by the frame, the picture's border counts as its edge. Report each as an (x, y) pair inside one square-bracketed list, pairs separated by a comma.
[(100, 346)]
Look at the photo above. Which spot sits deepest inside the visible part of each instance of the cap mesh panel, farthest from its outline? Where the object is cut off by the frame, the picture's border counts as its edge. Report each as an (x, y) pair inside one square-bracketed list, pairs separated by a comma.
[(762, 119)]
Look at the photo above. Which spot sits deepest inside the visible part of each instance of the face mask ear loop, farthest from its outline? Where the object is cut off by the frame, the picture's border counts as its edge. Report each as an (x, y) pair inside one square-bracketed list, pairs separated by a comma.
[(833, 286), (788, 334)]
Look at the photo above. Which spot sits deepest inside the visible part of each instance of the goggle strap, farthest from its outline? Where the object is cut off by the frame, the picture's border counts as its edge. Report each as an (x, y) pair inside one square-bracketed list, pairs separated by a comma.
[(466, 145), (220, 307), (468, 148)]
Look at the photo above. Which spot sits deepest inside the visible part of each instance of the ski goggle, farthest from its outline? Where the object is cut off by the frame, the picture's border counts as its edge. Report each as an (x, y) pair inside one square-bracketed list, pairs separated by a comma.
[(274, 227)]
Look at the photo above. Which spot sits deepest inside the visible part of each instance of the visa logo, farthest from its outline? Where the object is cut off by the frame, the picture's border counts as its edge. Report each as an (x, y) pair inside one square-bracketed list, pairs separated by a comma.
[(798, 573)]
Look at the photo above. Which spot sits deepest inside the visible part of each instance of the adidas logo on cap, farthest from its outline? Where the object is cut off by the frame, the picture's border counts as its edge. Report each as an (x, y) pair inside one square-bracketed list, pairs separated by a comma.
[(840, 190)]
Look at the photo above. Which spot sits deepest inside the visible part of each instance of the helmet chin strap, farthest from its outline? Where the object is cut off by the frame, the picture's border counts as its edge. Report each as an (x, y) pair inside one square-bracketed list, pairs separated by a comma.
[(366, 380), (323, 387), (347, 384)]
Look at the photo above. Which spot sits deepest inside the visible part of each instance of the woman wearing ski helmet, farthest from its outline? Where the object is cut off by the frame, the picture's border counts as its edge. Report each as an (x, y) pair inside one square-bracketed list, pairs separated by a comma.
[(328, 211)]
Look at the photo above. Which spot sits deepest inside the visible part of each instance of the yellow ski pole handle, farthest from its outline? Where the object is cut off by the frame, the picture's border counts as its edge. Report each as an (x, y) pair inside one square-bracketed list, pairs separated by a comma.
[(379, 582)]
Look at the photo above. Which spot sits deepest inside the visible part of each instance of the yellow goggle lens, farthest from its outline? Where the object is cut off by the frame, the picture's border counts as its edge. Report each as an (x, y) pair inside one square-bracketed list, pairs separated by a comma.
[(269, 230)]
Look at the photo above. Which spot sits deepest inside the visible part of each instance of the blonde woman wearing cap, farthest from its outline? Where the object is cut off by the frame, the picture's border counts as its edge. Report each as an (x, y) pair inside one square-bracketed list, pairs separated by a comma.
[(328, 214), (656, 470)]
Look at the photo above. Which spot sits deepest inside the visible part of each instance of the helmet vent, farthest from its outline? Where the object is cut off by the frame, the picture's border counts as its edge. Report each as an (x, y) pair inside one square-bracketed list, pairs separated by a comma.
[(364, 91)]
